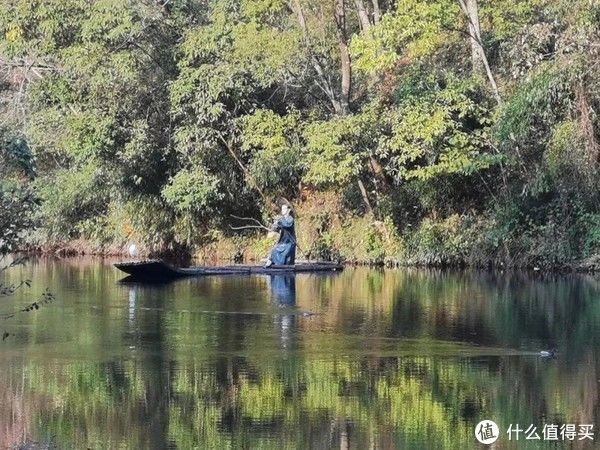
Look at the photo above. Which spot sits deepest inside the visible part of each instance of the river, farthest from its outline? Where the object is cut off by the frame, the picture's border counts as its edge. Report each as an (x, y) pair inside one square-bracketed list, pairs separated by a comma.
[(367, 358)]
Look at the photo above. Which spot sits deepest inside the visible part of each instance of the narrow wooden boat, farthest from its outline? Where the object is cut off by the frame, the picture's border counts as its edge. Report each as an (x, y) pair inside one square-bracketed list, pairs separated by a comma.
[(157, 270)]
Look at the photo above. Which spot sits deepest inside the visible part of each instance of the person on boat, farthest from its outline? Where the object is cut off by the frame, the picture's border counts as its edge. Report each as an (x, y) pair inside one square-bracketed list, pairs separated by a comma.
[(284, 252)]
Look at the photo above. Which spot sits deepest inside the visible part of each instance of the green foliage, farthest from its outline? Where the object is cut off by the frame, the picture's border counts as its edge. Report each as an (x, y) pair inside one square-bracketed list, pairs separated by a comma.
[(591, 241), (192, 191), (331, 150), (541, 99), (17, 200), (414, 30), (440, 129), (16, 155), (40, 25), (17, 206), (272, 143), (439, 243), (70, 198), (146, 221), (567, 162), (191, 111)]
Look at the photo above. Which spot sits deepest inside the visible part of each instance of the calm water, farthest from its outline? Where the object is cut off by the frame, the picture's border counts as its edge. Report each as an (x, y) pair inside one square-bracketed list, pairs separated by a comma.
[(390, 359)]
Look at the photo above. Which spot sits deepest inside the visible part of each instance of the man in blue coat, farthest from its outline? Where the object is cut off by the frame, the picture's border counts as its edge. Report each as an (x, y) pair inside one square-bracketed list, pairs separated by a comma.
[(284, 252)]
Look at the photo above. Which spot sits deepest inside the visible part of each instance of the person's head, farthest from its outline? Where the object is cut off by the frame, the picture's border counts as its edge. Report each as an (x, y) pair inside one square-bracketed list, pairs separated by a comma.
[(285, 209)]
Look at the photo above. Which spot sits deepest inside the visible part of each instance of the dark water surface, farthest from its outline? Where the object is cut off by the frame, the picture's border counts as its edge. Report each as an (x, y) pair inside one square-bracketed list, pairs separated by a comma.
[(390, 359)]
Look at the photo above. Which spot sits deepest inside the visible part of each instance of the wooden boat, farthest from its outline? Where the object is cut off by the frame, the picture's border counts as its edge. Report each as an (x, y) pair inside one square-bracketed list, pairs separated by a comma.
[(158, 270)]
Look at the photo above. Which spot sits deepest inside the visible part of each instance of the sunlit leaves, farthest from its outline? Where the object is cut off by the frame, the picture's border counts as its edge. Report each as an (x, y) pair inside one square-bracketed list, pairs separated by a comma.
[(414, 29), (73, 196), (111, 23), (192, 190), (329, 151), (540, 97), (263, 10), (38, 28), (443, 131), (265, 53), (177, 106), (272, 143)]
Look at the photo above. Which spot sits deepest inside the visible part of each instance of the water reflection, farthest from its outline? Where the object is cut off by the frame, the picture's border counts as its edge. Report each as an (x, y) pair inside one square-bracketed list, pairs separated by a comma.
[(283, 295), (133, 293), (391, 359), (283, 289)]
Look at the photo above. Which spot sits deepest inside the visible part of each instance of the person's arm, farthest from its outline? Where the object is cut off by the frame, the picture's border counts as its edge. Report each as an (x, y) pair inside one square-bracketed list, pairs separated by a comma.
[(286, 222), (276, 226)]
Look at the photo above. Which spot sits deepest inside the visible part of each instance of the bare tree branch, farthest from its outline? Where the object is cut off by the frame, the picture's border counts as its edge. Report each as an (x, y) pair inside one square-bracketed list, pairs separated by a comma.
[(471, 11), (345, 63)]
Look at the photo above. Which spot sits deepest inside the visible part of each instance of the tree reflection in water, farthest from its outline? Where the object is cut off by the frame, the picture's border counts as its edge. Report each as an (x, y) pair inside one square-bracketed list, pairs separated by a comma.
[(393, 359)]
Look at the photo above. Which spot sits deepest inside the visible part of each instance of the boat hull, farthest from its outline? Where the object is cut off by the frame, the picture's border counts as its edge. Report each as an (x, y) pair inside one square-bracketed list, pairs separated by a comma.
[(158, 270)]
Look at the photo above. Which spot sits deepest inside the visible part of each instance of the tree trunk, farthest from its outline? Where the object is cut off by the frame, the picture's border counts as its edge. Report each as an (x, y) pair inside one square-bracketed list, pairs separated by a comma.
[(591, 150), (470, 9), (376, 11), (323, 82), (345, 63), (475, 35), (363, 193), (378, 172), (363, 15)]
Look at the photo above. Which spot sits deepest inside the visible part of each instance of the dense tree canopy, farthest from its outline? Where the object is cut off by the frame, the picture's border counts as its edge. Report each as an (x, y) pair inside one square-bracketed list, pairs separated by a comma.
[(440, 119)]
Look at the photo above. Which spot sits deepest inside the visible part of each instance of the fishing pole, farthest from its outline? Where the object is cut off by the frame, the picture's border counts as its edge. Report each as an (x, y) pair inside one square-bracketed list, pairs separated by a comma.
[(259, 226)]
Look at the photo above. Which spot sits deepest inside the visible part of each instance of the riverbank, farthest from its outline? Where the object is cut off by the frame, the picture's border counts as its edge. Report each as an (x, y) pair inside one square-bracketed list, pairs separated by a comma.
[(253, 249), (225, 250), (327, 230)]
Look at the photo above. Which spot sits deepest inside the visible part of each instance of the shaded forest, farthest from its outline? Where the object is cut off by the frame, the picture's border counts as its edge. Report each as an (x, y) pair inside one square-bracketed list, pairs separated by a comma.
[(416, 131)]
